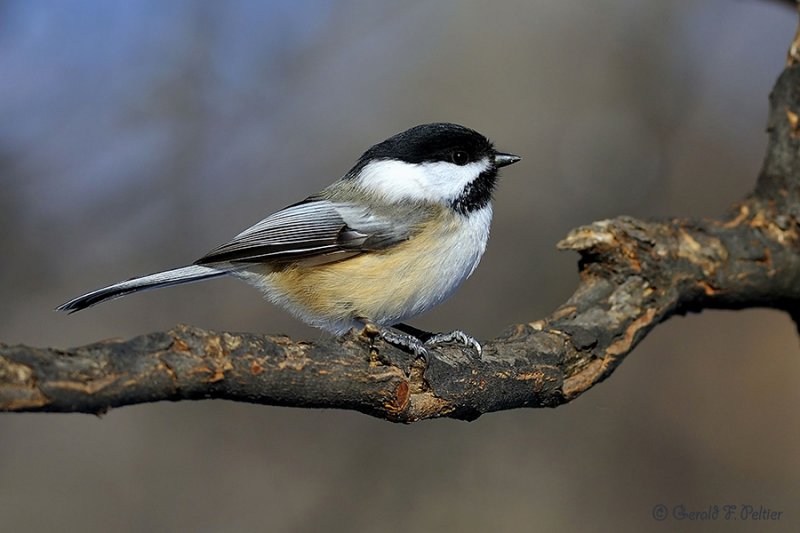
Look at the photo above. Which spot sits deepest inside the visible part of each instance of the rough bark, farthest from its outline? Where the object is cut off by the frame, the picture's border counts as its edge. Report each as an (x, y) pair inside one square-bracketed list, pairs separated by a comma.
[(634, 274)]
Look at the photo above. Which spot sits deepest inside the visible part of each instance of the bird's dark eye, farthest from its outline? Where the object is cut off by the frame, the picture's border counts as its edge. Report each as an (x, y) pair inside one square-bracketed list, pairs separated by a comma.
[(459, 157)]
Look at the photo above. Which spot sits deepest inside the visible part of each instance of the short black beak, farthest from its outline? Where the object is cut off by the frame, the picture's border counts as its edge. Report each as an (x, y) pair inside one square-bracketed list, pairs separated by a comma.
[(503, 160)]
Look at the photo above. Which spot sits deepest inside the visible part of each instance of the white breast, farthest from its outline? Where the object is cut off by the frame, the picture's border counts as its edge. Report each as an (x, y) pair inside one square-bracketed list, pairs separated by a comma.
[(460, 253)]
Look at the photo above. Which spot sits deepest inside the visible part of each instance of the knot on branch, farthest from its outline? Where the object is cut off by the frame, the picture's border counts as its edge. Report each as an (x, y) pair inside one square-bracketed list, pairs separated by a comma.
[(616, 244)]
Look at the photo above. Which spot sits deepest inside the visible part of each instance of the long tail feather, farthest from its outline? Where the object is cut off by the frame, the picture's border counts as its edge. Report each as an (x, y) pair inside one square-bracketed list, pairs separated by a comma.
[(153, 281)]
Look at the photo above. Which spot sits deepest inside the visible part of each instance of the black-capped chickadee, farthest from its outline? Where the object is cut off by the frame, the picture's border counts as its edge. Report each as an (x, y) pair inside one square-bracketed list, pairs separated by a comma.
[(391, 239)]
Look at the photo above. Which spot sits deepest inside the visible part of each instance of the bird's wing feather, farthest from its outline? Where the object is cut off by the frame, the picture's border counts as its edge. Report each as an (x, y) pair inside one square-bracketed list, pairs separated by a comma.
[(310, 229)]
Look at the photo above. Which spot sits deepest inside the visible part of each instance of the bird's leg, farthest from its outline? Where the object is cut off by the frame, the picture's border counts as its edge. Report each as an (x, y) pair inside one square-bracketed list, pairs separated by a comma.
[(417, 341), (432, 339), (404, 341)]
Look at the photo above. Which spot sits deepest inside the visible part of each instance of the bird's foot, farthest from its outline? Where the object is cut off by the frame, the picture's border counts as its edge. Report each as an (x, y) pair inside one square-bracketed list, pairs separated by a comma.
[(431, 340), (405, 342), (457, 337), (417, 342)]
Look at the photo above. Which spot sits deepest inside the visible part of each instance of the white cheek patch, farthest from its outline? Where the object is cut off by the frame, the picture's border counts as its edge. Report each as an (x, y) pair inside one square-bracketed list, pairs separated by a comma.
[(437, 181)]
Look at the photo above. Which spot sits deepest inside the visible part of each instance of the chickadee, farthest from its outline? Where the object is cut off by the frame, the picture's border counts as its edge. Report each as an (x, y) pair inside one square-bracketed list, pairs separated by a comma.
[(390, 240)]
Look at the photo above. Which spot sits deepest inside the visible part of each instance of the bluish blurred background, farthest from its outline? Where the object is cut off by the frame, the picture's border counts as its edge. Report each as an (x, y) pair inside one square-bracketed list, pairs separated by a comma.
[(137, 135)]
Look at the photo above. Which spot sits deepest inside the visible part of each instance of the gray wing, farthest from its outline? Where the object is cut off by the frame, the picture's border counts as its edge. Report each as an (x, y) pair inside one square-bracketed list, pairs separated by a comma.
[(319, 229)]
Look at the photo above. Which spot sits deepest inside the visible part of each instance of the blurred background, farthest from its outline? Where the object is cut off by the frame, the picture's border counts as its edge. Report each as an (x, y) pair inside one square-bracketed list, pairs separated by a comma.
[(137, 135)]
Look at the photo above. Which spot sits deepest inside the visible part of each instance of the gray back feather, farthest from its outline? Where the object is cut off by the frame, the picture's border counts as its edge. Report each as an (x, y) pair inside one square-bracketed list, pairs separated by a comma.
[(318, 229)]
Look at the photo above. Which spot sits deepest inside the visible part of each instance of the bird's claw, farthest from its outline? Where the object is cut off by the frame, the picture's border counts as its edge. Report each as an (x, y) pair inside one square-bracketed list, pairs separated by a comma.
[(418, 342), (405, 341), (456, 336)]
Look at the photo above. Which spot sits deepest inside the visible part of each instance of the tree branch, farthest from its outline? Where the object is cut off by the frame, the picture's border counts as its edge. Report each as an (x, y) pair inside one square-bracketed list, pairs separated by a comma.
[(634, 274)]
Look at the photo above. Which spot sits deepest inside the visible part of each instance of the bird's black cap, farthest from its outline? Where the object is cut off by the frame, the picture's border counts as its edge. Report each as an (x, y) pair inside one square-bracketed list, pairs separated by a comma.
[(429, 143)]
